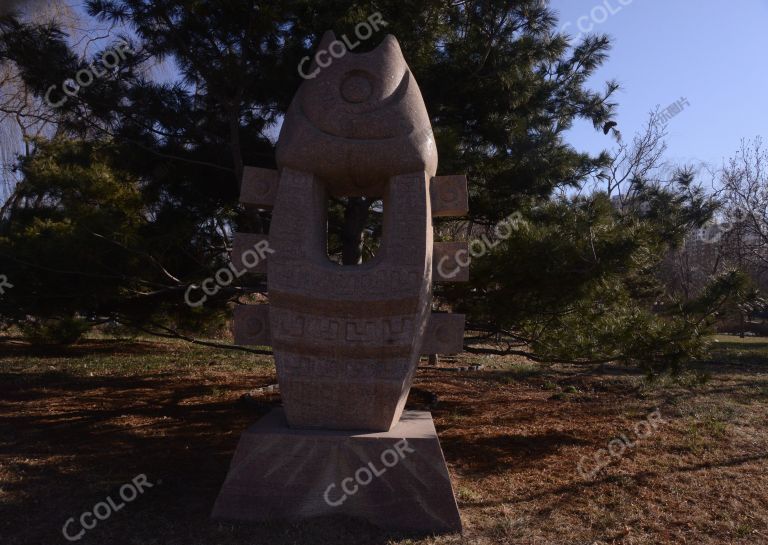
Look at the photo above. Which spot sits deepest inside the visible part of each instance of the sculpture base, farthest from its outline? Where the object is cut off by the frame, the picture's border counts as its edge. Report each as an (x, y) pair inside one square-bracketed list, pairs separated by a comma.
[(397, 480)]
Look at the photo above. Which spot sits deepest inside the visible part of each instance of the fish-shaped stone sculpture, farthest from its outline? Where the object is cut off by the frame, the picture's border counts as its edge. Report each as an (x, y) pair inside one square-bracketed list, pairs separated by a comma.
[(347, 339)]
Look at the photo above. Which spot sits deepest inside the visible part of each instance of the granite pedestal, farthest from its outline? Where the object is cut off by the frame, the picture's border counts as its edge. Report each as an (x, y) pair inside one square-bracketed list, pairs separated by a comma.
[(397, 479)]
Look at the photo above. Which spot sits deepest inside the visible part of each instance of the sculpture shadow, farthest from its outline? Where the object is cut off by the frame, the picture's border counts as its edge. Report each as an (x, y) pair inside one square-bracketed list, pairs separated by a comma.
[(72, 442), (17, 347), (487, 455)]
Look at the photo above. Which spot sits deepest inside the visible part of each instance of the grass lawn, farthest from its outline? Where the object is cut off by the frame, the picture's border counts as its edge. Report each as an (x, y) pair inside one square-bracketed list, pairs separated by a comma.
[(520, 441)]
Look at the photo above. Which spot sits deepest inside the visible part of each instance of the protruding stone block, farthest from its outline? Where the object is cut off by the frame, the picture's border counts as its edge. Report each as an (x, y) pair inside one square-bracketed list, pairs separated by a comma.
[(251, 325), (249, 253), (445, 334), (449, 196), (396, 479), (450, 262), (259, 187)]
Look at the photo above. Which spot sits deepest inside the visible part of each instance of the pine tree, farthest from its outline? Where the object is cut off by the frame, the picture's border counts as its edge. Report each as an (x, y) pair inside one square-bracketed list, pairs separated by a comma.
[(501, 86)]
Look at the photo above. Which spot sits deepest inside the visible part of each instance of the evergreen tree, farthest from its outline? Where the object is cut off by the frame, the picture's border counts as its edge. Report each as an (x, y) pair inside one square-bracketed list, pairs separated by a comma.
[(166, 159)]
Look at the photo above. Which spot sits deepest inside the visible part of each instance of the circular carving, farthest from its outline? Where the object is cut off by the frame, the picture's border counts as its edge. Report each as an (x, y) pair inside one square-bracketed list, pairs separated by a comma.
[(449, 193), (357, 87), (262, 187), (255, 326)]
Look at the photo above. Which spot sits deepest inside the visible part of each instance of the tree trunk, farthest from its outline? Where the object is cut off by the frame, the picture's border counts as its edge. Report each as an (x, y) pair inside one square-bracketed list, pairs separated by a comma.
[(355, 220)]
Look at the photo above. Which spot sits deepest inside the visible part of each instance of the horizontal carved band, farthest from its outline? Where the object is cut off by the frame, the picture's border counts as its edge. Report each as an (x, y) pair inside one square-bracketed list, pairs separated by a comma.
[(449, 196), (450, 262), (343, 309), (445, 334), (349, 351)]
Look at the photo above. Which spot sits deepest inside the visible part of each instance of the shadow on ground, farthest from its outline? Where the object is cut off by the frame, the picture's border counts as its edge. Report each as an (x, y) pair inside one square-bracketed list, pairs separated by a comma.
[(68, 442), (73, 441)]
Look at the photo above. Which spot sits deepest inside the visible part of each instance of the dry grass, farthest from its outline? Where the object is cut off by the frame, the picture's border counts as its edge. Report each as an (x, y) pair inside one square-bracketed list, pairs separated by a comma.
[(78, 423)]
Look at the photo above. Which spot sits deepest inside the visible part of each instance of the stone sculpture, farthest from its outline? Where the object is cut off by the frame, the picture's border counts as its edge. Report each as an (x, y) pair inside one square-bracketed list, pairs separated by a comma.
[(347, 339)]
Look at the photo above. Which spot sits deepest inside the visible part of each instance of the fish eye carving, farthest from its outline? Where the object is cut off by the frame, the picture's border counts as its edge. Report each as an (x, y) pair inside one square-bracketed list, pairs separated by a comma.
[(357, 87)]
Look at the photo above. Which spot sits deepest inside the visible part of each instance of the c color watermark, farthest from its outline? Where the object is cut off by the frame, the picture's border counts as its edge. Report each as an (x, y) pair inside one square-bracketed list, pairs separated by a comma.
[(365, 475), (105, 509)]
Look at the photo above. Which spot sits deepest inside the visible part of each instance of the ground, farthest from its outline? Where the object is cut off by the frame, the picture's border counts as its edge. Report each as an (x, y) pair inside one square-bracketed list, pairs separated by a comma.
[(520, 440)]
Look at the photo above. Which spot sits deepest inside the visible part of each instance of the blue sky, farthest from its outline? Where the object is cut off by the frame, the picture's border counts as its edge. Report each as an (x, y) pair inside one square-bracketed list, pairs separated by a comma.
[(713, 53)]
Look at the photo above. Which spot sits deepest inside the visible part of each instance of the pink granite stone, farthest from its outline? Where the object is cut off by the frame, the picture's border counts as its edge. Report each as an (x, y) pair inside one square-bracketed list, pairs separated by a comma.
[(347, 339), (356, 144)]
